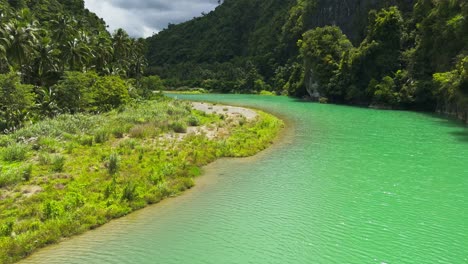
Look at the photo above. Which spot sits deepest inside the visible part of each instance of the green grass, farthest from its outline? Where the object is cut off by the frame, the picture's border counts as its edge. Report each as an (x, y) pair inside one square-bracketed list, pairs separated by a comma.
[(94, 168)]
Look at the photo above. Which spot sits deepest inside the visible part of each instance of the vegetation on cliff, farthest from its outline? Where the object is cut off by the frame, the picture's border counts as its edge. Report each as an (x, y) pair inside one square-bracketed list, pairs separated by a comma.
[(406, 54)]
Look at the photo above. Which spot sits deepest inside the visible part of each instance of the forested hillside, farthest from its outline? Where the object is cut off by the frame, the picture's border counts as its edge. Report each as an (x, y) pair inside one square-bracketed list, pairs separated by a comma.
[(391, 54), (57, 57)]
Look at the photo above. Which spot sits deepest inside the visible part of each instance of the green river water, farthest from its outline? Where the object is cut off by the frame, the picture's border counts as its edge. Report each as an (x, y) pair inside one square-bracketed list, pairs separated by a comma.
[(341, 185)]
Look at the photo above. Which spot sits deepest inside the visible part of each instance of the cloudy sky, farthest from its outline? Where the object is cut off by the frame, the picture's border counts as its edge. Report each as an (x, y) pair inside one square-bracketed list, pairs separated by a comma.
[(142, 18)]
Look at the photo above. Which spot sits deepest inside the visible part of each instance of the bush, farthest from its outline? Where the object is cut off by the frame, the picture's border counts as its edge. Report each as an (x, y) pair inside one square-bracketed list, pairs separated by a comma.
[(109, 92), (74, 92), (179, 127), (44, 159), (6, 228), (149, 85), (193, 121), (129, 192), (15, 101), (15, 152), (58, 162), (26, 172), (113, 166), (9, 177), (86, 140), (143, 131), (101, 136), (52, 210)]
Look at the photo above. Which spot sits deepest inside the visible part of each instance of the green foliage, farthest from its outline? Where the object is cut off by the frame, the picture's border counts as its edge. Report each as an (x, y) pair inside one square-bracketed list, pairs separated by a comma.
[(6, 228), (101, 136), (114, 163), (87, 92), (179, 127), (58, 163), (323, 50), (52, 210), (149, 85), (57, 193), (193, 121), (16, 100), (74, 93), (109, 92), (129, 192), (15, 152)]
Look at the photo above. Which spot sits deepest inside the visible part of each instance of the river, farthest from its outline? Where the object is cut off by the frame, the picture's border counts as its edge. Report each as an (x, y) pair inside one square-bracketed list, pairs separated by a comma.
[(341, 185)]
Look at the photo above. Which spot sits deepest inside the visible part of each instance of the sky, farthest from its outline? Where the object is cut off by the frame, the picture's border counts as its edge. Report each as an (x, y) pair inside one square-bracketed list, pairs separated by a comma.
[(143, 18)]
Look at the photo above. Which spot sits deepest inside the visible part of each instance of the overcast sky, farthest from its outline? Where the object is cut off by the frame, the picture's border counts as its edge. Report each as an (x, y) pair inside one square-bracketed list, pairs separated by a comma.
[(142, 18)]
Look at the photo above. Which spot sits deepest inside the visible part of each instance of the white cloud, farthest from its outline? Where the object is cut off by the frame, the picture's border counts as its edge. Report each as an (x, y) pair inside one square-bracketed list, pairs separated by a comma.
[(142, 18)]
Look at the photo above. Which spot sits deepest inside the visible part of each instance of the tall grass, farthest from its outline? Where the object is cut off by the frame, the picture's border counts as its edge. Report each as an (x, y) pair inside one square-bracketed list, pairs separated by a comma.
[(15, 152), (92, 168)]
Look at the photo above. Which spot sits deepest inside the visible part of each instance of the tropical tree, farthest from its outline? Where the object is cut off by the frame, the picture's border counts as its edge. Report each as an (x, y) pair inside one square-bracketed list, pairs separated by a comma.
[(121, 44), (103, 53), (63, 28), (20, 39), (76, 54), (47, 60)]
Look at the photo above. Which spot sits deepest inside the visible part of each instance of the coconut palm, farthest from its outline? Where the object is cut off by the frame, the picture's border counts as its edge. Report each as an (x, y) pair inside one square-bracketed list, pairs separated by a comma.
[(47, 60), (103, 53), (76, 54), (20, 39), (63, 28)]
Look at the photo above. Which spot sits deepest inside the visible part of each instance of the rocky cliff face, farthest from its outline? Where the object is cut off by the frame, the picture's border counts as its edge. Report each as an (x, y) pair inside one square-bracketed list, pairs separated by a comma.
[(350, 15)]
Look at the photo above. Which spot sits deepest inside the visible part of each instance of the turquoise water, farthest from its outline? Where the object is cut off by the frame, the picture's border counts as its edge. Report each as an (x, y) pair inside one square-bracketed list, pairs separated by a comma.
[(342, 185)]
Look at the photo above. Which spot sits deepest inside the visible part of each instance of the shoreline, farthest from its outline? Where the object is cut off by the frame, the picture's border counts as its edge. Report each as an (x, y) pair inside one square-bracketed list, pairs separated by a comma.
[(198, 180)]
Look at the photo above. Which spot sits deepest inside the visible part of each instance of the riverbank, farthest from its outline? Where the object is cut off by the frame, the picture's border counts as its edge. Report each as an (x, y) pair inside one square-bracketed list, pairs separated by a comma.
[(65, 176)]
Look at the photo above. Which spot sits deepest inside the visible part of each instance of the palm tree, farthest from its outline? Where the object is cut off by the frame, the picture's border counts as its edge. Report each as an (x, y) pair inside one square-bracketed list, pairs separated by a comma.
[(76, 53), (20, 39), (122, 47), (47, 60), (3, 47), (63, 28), (103, 53), (137, 59)]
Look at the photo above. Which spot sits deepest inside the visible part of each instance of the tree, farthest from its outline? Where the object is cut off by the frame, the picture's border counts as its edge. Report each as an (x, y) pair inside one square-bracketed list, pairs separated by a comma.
[(46, 61), (16, 100), (103, 52), (109, 92), (76, 53), (322, 50), (21, 38)]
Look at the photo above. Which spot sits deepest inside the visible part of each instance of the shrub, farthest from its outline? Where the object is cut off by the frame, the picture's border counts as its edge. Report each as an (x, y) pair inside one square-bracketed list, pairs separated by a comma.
[(193, 121), (9, 177), (6, 228), (86, 140), (119, 130), (323, 100), (129, 192), (26, 172), (268, 93), (113, 166), (101, 136), (44, 159), (58, 162), (179, 127), (74, 93), (143, 131), (15, 152), (149, 85), (15, 100), (52, 210), (109, 92)]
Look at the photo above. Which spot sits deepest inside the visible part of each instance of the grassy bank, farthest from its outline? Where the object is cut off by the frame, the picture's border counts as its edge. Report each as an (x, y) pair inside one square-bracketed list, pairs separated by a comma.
[(63, 176)]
